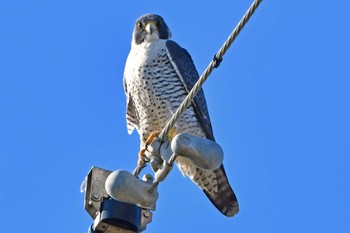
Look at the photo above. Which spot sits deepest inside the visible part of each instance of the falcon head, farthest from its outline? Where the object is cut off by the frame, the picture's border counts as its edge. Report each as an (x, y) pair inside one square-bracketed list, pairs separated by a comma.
[(150, 27)]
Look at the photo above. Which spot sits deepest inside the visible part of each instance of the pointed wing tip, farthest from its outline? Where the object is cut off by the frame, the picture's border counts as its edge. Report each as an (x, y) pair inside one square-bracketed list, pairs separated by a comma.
[(226, 202), (229, 208), (232, 211)]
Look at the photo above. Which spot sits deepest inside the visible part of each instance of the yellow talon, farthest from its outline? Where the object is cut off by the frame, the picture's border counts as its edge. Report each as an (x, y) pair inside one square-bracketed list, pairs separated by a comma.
[(172, 133), (151, 138), (141, 160)]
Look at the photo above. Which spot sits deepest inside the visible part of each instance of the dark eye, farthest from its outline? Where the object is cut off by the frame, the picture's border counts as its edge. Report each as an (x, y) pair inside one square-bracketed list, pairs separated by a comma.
[(159, 23), (139, 25)]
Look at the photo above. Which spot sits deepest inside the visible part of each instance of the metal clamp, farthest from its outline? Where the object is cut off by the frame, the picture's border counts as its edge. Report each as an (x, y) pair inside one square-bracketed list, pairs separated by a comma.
[(110, 215)]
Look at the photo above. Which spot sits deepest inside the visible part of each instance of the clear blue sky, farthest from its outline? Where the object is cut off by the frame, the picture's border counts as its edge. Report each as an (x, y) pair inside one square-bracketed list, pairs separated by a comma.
[(279, 105)]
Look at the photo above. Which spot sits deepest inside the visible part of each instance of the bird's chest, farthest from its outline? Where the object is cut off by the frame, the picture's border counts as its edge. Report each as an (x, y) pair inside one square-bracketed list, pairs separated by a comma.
[(150, 75), (156, 89), (152, 72)]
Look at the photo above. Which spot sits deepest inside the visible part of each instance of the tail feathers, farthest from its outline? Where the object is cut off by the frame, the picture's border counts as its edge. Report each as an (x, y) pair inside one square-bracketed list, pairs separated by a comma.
[(214, 184), (223, 198)]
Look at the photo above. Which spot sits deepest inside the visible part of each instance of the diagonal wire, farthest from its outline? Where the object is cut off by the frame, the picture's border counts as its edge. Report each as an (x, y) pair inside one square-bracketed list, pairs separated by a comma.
[(213, 64)]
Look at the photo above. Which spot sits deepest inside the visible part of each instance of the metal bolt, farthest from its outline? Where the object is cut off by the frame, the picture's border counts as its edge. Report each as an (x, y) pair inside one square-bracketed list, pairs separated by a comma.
[(147, 214), (148, 178), (96, 196), (90, 203)]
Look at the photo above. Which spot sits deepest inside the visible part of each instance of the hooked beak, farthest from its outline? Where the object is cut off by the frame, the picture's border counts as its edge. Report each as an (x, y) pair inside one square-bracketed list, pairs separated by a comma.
[(151, 27)]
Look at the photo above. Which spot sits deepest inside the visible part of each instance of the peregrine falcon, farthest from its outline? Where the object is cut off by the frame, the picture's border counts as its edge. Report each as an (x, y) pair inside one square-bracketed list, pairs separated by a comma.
[(157, 77)]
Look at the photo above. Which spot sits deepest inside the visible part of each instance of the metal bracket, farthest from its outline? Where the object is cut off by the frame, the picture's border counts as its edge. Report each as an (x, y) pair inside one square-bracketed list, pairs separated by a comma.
[(111, 216)]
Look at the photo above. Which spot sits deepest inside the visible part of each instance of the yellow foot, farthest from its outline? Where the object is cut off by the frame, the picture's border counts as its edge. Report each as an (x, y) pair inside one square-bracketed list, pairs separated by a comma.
[(151, 138), (142, 158), (172, 133), (141, 162)]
